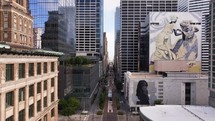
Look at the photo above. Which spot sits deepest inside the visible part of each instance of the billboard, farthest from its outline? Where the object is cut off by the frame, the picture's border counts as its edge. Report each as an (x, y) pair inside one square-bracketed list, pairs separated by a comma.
[(175, 36)]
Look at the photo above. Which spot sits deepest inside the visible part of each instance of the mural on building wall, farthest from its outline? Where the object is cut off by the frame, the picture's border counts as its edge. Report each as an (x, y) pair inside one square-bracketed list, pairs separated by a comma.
[(175, 36), (142, 93)]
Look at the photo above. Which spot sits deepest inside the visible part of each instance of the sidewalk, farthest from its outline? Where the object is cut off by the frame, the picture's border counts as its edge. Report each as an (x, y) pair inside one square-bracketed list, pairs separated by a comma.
[(75, 117)]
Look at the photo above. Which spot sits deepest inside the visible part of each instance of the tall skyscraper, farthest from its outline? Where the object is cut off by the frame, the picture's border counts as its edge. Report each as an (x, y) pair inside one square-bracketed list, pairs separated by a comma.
[(117, 43), (16, 24), (211, 35), (202, 6), (89, 27), (133, 12), (40, 11), (55, 34), (69, 15)]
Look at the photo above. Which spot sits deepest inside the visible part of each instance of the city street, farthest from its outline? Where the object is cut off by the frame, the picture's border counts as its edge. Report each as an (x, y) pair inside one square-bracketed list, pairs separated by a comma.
[(109, 111), (110, 115)]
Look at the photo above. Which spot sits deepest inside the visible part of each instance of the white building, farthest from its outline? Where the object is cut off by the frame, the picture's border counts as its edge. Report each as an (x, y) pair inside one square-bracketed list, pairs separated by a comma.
[(177, 113), (173, 88)]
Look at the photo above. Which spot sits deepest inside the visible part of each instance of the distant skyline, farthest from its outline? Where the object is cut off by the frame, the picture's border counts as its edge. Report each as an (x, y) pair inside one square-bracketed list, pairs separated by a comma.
[(109, 15)]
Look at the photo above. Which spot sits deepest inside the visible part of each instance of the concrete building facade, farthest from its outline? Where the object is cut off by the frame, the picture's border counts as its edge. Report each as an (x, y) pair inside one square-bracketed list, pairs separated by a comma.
[(132, 12), (16, 24), (202, 6), (29, 84), (172, 88), (211, 35), (89, 28)]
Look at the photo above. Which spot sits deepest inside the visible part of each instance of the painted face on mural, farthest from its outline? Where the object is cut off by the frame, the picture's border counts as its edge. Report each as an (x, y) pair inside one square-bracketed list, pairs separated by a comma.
[(142, 93)]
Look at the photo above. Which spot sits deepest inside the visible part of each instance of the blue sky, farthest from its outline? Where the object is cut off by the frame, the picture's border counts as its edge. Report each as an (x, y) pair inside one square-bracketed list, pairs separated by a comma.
[(109, 15)]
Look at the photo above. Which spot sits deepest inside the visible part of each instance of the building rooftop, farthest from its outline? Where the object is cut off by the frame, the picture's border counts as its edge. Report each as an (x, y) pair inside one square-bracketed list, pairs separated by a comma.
[(6, 49), (166, 75), (178, 113)]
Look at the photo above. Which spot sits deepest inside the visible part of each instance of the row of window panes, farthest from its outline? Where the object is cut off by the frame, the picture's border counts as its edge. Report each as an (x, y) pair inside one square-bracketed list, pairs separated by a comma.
[(10, 70), (10, 95)]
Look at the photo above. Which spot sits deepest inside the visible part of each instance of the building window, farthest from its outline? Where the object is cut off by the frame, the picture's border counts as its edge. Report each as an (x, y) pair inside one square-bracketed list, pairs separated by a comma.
[(31, 111), (52, 96), (9, 119), (52, 82), (25, 26), (38, 105), (39, 87), (52, 66), (45, 118), (21, 70), (5, 35), (31, 69), (45, 85), (31, 90), (5, 14), (21, 94), (15, 36), (52, 112), (38, 68), (45, 67), (15, 21), (19, 2), (9, 99), (22, 115), (9, 72), (45, 102), (20, 24)]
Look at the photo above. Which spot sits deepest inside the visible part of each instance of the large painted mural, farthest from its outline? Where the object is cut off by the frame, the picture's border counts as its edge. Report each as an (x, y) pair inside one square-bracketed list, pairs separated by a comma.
[(175, 36)]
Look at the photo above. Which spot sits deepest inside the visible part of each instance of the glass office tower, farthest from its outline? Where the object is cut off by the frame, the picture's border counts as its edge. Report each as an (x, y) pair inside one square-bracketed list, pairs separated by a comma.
[(40, 11)]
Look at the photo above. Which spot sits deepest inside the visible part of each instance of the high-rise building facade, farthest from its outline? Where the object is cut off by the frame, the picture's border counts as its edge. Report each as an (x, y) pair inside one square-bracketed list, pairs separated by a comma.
[(40, 11), (211, 39), (89, 28), (40, 8), (16, 24), (55, 34), (105, 53), (117, 43), (202, 6), (182, 5), (133, 12), (69, 15)]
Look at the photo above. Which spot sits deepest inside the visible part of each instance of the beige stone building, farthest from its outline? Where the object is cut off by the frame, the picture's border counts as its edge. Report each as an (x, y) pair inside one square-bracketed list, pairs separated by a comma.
[(16, 24), (28, 86)]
